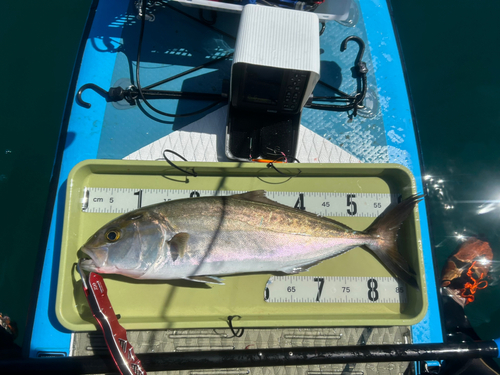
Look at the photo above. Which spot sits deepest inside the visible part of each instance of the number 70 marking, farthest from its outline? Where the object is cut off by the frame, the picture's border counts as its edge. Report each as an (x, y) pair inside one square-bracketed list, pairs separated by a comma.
[(321, 283)]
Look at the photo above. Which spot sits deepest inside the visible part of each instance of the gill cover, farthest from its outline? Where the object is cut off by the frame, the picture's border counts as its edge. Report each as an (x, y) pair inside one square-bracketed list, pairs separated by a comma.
[(127, 245)]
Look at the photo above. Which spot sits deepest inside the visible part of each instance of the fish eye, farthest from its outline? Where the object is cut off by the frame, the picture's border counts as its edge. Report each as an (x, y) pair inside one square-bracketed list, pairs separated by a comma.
[(113, 235)]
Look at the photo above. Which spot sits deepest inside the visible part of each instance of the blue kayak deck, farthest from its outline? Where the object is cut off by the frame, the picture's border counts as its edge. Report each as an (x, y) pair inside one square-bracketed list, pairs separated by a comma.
[(174, 43)]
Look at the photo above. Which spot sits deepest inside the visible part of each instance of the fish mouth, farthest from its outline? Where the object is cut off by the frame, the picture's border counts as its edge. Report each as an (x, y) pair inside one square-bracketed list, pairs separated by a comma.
[(87, 265), (96, 261)]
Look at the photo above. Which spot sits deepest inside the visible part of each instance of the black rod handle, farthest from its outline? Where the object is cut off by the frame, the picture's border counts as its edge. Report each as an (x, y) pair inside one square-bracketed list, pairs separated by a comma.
[(258, 358)]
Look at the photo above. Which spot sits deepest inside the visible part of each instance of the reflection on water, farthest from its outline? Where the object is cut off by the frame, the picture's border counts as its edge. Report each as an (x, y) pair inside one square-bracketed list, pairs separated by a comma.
[(461, 207)]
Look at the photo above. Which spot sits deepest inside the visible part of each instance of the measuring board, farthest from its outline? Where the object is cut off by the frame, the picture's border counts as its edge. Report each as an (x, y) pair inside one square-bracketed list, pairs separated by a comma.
[(121, 200), (333, 289), (99, 191)]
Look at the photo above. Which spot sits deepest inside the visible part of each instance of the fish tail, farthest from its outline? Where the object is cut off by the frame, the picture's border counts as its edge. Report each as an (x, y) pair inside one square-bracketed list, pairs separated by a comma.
[(385, 230)]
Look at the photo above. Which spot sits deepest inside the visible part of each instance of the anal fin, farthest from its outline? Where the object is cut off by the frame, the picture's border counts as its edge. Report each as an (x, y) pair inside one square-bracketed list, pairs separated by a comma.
[(302, 268), (206, 279)]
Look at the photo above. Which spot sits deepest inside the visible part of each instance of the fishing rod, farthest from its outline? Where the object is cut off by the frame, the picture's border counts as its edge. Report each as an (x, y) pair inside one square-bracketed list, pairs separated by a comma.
[(298, 356)]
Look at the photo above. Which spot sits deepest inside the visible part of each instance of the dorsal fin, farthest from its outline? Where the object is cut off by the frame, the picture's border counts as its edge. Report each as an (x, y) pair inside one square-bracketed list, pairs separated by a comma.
[(260, 197)]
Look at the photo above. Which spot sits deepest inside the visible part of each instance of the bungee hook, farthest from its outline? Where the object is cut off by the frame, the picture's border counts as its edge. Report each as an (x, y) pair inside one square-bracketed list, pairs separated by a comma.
[(360, 65), (94, 87), (359, 71), (114, 94)]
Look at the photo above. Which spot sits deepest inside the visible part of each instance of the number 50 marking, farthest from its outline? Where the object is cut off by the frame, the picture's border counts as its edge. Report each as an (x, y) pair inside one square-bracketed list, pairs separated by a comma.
[(353, 207)]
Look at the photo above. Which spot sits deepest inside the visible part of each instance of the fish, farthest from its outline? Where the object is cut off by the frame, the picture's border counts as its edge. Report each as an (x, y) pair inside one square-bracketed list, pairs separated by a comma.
[(204, 238)]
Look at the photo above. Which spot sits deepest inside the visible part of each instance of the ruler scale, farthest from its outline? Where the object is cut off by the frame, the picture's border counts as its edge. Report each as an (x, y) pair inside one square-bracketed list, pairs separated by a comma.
[(122, 200), (334, 289)]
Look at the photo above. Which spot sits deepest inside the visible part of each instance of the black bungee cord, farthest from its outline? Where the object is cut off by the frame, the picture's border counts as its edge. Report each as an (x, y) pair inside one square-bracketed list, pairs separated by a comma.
[(138, 92), (360, 71), (138, 80)]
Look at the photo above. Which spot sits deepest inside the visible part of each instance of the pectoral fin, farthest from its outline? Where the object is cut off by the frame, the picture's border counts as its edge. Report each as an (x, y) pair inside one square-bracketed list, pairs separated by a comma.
[(178, 244), (206, 279)]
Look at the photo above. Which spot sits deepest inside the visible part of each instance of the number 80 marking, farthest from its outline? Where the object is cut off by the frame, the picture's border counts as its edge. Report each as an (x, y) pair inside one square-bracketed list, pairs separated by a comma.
[(372, 290)]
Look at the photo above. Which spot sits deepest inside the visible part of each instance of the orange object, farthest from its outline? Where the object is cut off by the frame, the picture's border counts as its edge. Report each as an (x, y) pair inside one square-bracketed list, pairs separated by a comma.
[(471, 250), (267, 161), (466, 271), (471, 288)]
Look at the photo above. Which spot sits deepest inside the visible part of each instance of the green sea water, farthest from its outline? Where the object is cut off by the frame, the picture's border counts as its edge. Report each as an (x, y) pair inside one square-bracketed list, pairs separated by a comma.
[(450, 51), (39, 41)]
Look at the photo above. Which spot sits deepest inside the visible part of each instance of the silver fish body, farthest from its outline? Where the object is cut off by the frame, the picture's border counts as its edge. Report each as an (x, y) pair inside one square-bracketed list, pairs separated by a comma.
[(203, 238)]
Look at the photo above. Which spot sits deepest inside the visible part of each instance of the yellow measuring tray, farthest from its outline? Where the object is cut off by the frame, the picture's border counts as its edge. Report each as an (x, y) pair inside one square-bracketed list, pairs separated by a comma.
[(354, 194)]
